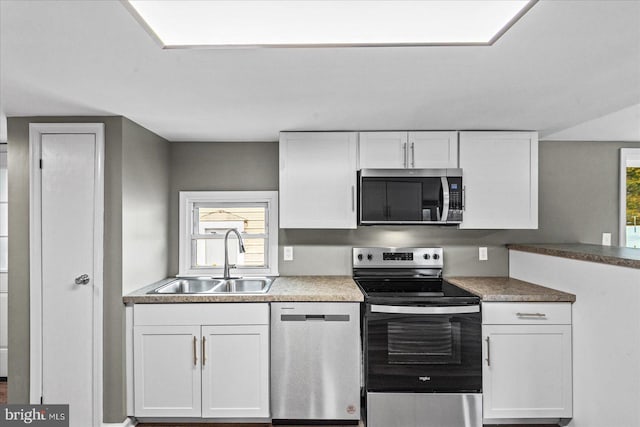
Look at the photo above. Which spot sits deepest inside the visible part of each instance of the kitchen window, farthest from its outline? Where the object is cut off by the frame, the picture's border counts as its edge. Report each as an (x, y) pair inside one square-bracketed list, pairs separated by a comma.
[(205, 218), (630, 197)]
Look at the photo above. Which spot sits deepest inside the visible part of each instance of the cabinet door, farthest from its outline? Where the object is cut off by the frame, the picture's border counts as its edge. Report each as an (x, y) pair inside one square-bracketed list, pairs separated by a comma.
[(383, 150), (235, 371), (500, 176), (166, 365), (437, 150), (318, 180), (527, 371)]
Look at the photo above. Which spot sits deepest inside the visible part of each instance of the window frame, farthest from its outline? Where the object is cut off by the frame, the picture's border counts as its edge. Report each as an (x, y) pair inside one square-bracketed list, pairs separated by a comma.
[(4, 164), (190, 198), (626, 155)]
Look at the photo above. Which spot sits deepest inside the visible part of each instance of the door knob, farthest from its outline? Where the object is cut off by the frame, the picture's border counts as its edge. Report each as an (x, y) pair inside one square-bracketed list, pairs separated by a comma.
[(82, 279)]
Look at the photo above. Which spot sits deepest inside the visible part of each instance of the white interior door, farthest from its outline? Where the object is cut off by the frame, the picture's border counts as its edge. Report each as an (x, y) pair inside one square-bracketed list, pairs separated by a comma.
[(66, 275), (67, 253)]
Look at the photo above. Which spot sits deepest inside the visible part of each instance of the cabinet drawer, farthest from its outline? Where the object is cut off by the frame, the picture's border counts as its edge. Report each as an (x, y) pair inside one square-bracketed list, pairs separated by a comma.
[(526, 313), (201, 314)]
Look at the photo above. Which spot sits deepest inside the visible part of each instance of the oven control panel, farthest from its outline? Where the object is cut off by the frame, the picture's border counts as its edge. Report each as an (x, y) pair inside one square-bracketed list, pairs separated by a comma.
[(397, 257)]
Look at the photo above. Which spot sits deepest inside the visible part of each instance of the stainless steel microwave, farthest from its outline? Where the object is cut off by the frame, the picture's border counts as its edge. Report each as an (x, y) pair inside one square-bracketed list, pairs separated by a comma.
[(410, 196)]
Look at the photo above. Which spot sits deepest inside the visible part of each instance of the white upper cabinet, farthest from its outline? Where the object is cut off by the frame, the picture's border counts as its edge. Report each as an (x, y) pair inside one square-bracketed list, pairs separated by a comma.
[(318, 179), (433, 150), (383, 150), (400, 150), (500, 177)]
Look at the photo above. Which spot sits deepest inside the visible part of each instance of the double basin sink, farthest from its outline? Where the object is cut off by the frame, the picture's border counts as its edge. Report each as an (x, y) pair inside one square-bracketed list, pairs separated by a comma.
[(208, 285)]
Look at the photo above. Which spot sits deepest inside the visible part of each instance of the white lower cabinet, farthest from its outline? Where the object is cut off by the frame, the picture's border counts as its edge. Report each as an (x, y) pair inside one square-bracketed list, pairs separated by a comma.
[(201, 360), (527, 361), (235, 371), (167, 374)]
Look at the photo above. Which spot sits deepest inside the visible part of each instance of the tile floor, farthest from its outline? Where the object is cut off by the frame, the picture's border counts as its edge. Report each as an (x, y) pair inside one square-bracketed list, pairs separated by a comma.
[(234, 425), (3, 399)]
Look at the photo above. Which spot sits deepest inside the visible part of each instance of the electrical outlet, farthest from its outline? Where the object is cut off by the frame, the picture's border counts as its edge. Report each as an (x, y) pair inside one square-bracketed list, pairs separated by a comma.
[(288, 253), (483, 255), (606, 239)]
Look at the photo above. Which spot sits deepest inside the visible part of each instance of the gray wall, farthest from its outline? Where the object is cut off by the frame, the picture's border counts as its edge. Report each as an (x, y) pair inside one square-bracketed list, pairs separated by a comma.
[(144, 245), (217, 166), (136, 161), (145, 207), (578, 201)]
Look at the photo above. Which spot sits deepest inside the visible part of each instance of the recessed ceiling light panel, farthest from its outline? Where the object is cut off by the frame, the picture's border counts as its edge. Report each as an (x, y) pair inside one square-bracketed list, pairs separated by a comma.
[(199, 23)]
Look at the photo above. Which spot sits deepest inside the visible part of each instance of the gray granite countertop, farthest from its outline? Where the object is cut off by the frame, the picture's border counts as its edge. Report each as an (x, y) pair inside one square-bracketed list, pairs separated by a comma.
[(613, 255), (507, 289), (284, 288)]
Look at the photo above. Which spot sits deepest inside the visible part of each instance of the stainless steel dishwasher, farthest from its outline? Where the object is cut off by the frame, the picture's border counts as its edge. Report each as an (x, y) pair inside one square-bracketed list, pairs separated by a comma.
[(315, 361)]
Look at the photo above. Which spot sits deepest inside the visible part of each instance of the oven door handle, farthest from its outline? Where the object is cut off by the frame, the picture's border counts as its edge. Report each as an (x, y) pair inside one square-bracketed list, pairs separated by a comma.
[(403, 309)]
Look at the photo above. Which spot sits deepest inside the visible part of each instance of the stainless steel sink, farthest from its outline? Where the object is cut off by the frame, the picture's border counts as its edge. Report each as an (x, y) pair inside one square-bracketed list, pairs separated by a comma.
[(188, 286), (246, 285), (206, 285)]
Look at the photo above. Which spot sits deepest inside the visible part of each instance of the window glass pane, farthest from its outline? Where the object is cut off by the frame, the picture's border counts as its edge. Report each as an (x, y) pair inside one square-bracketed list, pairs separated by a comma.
[(217, 220), (633, 207), (3, 219), (210, 252), (3, 254)]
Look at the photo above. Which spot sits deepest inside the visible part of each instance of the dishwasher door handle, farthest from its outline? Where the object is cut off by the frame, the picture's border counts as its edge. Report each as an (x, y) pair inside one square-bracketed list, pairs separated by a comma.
[(314, 317)]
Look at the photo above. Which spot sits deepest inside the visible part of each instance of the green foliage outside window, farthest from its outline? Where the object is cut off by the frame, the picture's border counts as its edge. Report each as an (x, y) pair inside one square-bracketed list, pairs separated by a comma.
[(633, 195)]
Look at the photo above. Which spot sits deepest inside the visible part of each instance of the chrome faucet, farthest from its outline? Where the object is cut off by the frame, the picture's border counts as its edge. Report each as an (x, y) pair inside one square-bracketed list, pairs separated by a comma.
[(226, 251)]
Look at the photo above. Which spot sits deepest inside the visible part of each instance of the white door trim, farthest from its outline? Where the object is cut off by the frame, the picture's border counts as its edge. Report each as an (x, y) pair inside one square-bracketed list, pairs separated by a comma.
[(36, 130)]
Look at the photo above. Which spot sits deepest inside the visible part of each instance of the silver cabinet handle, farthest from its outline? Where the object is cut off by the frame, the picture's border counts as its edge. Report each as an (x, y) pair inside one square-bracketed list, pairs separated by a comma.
[(82, 279), (195, 351), (204, 351), (404, 151), (413, 155), (353, 198), (540, 315), (488, 351)]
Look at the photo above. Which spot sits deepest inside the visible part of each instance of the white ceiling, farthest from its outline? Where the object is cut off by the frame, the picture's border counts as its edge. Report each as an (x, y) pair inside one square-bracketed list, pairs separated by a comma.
[(564, 63), (623, 125)]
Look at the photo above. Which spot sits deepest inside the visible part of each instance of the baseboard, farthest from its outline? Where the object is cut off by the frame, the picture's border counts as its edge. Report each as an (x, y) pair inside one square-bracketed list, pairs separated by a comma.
[(128, 422)]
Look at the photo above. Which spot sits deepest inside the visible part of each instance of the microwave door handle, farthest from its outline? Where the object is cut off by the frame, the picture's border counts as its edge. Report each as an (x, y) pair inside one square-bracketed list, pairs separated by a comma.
[(445, 199)]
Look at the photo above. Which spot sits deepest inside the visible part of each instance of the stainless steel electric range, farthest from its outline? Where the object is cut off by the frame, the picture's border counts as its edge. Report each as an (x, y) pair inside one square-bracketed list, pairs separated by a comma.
[(422, 341)]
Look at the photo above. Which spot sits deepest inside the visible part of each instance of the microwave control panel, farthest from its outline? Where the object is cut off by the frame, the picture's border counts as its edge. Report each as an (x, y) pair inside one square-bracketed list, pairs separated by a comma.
[(456, 199)]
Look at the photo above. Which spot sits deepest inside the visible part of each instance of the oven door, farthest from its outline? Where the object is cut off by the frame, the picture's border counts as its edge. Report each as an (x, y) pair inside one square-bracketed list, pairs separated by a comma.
[(432, 348)]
